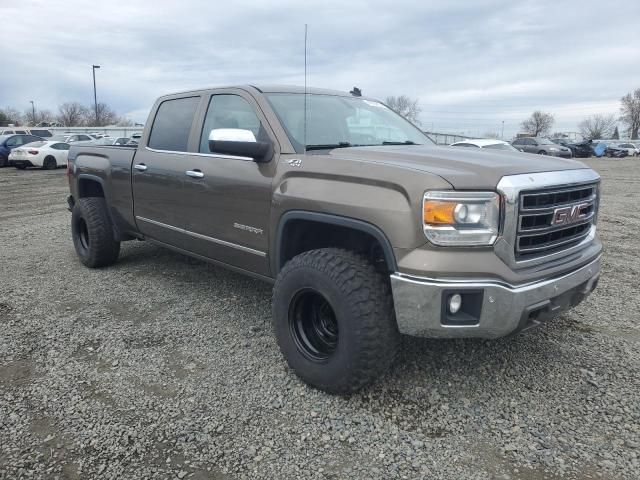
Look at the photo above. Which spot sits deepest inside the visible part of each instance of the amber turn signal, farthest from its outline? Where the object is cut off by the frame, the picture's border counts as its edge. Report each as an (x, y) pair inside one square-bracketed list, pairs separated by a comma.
[(437, 212)]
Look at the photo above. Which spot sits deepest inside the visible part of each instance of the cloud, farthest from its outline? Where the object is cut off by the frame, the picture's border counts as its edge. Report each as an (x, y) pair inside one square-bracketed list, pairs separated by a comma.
[(472, 65)]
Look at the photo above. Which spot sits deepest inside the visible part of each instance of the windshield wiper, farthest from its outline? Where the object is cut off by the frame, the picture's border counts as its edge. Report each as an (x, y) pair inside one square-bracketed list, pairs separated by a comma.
[(329, 146), (406, 142)]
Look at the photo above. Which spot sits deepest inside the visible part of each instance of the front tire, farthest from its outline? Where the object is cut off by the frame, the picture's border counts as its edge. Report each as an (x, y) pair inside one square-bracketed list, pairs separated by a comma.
[(92, 233), (542, 152), (334, 320)]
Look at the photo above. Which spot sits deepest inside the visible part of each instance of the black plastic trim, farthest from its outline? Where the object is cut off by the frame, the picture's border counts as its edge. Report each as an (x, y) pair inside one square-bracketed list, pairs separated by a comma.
[(375, 232)]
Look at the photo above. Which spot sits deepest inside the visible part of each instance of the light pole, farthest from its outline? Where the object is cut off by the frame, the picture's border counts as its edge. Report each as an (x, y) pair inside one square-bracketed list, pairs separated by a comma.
[(95, 96), (33, 112), (502, 131)]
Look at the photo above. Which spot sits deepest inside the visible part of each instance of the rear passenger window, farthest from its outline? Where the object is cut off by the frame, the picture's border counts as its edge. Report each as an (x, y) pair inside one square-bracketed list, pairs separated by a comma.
[(172, 124)]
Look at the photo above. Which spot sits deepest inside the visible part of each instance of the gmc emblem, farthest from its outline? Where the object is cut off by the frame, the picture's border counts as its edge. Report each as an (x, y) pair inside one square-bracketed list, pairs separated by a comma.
[(569, 215)]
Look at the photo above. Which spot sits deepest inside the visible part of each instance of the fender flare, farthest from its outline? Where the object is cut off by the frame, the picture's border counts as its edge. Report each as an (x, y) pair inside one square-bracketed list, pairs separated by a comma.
[(348, 222)]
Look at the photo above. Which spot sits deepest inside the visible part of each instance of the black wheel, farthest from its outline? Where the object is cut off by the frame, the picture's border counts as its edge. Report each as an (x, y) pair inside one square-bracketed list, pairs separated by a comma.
[(542, 152), (92, 233), (49, 163), (4, 162), (334, 320)]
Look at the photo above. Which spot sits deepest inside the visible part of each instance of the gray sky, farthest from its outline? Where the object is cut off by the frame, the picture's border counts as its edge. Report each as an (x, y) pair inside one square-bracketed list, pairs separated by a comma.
[(471, 64)]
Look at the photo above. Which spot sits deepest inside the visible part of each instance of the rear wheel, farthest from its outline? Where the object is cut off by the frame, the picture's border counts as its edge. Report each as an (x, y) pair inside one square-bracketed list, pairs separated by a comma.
[(334, 320), (542, 152), (49, 163), (92, 233)]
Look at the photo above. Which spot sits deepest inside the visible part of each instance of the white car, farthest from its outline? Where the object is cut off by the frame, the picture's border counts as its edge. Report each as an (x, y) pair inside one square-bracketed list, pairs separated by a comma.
[(633, 149), (491, 143), (73, 137), (48, 155)]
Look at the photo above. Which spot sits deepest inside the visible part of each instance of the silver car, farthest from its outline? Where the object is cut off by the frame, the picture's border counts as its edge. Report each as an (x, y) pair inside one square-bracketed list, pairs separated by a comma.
[(541, 146)]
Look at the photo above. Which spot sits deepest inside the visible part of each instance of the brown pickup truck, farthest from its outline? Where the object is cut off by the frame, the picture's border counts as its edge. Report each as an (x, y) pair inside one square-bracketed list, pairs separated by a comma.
[(365, 227)]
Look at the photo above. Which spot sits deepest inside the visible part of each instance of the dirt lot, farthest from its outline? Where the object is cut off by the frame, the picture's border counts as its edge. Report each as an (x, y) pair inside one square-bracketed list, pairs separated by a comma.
[(165, 367)]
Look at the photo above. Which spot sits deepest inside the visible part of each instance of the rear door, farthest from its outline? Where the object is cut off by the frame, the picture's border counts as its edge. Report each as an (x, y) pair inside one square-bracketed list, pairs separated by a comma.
[(159, 170), (227, 205)]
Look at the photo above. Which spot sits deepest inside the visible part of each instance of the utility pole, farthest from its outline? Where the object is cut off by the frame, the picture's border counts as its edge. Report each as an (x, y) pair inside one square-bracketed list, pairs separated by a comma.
[(33, 112), (95, 96), (502, 131)]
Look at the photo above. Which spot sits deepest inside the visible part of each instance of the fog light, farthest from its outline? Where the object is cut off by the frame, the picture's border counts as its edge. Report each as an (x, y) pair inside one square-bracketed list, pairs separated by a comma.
[(455, 302)]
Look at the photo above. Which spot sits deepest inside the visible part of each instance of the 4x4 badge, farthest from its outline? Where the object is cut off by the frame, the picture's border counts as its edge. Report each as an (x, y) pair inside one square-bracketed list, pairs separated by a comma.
[(295, 162)]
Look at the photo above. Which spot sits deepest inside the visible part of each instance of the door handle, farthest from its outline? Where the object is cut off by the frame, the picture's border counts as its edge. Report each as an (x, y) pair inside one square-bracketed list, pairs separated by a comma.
[(194, 174), (140, 167)]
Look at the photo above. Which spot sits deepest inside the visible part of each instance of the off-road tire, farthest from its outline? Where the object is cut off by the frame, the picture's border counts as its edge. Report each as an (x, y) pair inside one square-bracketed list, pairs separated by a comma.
[(92, 233), (360, 296), (49, 163)]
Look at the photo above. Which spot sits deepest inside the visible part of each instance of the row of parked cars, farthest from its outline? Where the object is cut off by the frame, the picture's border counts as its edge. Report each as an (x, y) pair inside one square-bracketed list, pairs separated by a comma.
[(557, 147), (26, 149)]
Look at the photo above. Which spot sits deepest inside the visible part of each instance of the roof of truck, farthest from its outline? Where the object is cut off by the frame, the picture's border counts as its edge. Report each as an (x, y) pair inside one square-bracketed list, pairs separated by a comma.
[(271, 89)]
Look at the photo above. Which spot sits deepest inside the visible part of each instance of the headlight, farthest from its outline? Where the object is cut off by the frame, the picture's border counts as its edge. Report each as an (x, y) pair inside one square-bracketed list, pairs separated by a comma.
[(461, 218), (553, 149)]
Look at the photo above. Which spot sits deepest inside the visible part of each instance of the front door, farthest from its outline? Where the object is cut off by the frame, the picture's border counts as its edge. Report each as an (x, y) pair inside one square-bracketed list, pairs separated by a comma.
[(228, 199)]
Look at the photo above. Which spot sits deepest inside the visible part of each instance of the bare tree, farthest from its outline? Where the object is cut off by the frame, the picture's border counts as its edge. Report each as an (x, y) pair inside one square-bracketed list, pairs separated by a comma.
[(12, 116), (630, 108), (597, 126), (33, 117), (405, 106), (71, 114), (105, 116), (538, 124)]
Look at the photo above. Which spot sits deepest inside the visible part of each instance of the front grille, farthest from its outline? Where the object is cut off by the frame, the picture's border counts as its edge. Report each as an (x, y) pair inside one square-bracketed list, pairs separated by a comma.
[(554, 219)]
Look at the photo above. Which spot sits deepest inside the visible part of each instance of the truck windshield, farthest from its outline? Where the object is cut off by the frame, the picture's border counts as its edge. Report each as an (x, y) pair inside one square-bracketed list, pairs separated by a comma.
[(334, 121)]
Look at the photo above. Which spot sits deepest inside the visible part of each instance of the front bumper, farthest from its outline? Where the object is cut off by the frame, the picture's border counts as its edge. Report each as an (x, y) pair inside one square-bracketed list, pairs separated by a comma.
[(500, 309)]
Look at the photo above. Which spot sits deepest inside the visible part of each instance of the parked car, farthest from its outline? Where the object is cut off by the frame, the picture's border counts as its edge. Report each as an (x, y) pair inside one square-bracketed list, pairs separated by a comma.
[(106, 141), (43, 154), (38, 132), (541, 146), (578, 149), (614, 151), (72, 137), (633, 149), (490, 143), (9, 142), (363, 236)]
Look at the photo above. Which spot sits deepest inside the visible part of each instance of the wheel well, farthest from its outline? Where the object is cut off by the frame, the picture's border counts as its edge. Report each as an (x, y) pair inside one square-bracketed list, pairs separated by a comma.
[(89, 188), (302, 235)]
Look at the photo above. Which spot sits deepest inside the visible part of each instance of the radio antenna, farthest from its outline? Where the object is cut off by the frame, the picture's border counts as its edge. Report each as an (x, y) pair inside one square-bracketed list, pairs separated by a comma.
[(305, 88)]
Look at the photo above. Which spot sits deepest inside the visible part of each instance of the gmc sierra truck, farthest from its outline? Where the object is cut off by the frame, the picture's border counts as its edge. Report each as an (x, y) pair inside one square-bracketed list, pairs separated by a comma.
[(365, 227)]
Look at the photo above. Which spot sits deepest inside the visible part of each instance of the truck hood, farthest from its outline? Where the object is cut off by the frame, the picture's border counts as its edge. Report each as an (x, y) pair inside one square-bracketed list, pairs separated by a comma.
[(464, 168)]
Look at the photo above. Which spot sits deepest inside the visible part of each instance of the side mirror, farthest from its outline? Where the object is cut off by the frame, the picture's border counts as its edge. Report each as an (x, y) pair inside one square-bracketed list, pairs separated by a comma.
[(239, 142)]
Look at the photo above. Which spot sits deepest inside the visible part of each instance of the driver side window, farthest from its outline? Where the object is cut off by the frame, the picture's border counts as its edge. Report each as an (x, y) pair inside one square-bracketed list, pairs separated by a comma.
[(230, 111)]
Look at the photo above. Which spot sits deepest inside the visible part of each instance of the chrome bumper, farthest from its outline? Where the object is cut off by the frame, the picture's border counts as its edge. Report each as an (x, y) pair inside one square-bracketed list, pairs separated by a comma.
[(420, 303)]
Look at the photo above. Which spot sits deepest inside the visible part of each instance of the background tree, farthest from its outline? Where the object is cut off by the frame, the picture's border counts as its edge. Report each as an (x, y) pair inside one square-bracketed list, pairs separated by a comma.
[(538, 124), (405, 106), (124, 122), (616, 134), (106, 116), (12, 116), (630, 108), (34, 117), (71, 114), (597, 126)]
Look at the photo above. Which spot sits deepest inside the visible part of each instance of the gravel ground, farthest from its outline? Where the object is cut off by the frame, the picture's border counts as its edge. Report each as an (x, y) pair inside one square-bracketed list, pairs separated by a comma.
[(165, 367)]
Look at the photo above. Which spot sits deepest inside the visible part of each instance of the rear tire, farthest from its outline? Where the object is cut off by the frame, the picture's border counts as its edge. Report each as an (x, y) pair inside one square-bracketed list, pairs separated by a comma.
[(92, 233), (49, 164), (334, 320), (542, 152)]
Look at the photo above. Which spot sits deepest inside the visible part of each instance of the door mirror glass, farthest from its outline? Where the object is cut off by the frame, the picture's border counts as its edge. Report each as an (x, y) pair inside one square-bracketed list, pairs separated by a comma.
[(240, 143)]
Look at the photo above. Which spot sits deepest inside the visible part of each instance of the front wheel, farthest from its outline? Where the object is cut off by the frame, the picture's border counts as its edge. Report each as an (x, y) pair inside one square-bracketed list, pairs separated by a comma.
[(542, 152), (92, 233), (334, 320)]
